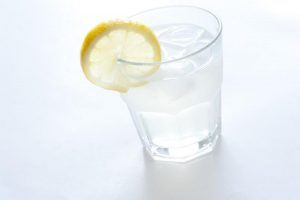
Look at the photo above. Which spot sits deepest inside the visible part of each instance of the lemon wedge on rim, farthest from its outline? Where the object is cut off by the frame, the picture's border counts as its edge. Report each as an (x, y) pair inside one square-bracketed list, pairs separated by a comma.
[(112, 41)]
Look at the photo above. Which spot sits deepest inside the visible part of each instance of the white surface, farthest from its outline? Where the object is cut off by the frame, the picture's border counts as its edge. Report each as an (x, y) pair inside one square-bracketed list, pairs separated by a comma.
[(62, 138)]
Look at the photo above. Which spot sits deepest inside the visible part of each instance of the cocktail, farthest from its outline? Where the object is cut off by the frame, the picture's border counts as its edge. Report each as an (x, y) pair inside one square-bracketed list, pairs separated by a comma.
[(169, 74)]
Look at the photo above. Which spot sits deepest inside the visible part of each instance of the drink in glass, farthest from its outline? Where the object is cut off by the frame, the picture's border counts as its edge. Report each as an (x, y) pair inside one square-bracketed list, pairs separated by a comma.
[(178, 112)]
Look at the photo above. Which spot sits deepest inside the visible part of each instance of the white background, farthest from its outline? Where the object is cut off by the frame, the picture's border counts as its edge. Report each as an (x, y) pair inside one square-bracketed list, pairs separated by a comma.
[(62, 138)]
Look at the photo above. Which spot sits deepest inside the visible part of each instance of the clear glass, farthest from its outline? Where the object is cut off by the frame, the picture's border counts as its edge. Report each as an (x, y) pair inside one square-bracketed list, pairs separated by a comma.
[(178, 112)]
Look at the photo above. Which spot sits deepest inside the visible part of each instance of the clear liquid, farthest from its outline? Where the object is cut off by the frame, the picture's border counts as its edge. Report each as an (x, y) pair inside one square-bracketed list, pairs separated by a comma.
[(178, 112)]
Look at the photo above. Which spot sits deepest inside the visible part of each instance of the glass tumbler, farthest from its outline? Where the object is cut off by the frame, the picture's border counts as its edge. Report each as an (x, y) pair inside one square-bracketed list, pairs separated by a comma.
[(178, 112)]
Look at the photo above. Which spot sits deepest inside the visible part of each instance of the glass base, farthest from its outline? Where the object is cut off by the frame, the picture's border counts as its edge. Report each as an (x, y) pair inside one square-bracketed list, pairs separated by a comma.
[(185, 153)]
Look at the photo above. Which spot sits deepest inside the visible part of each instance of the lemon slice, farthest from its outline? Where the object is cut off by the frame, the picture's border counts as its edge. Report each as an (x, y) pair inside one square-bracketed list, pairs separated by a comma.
[(108, 43)]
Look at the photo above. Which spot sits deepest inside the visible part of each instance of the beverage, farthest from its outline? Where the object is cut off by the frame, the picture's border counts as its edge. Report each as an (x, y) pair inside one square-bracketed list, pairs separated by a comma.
[(177, 114), (168, 73)]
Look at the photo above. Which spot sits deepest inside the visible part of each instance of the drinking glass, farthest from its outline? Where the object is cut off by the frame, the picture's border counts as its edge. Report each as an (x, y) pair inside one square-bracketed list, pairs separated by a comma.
[(178, 112)]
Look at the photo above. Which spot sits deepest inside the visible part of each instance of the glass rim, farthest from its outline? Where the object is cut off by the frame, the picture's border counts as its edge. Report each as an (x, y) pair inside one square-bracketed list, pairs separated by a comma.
[(220, 28)]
